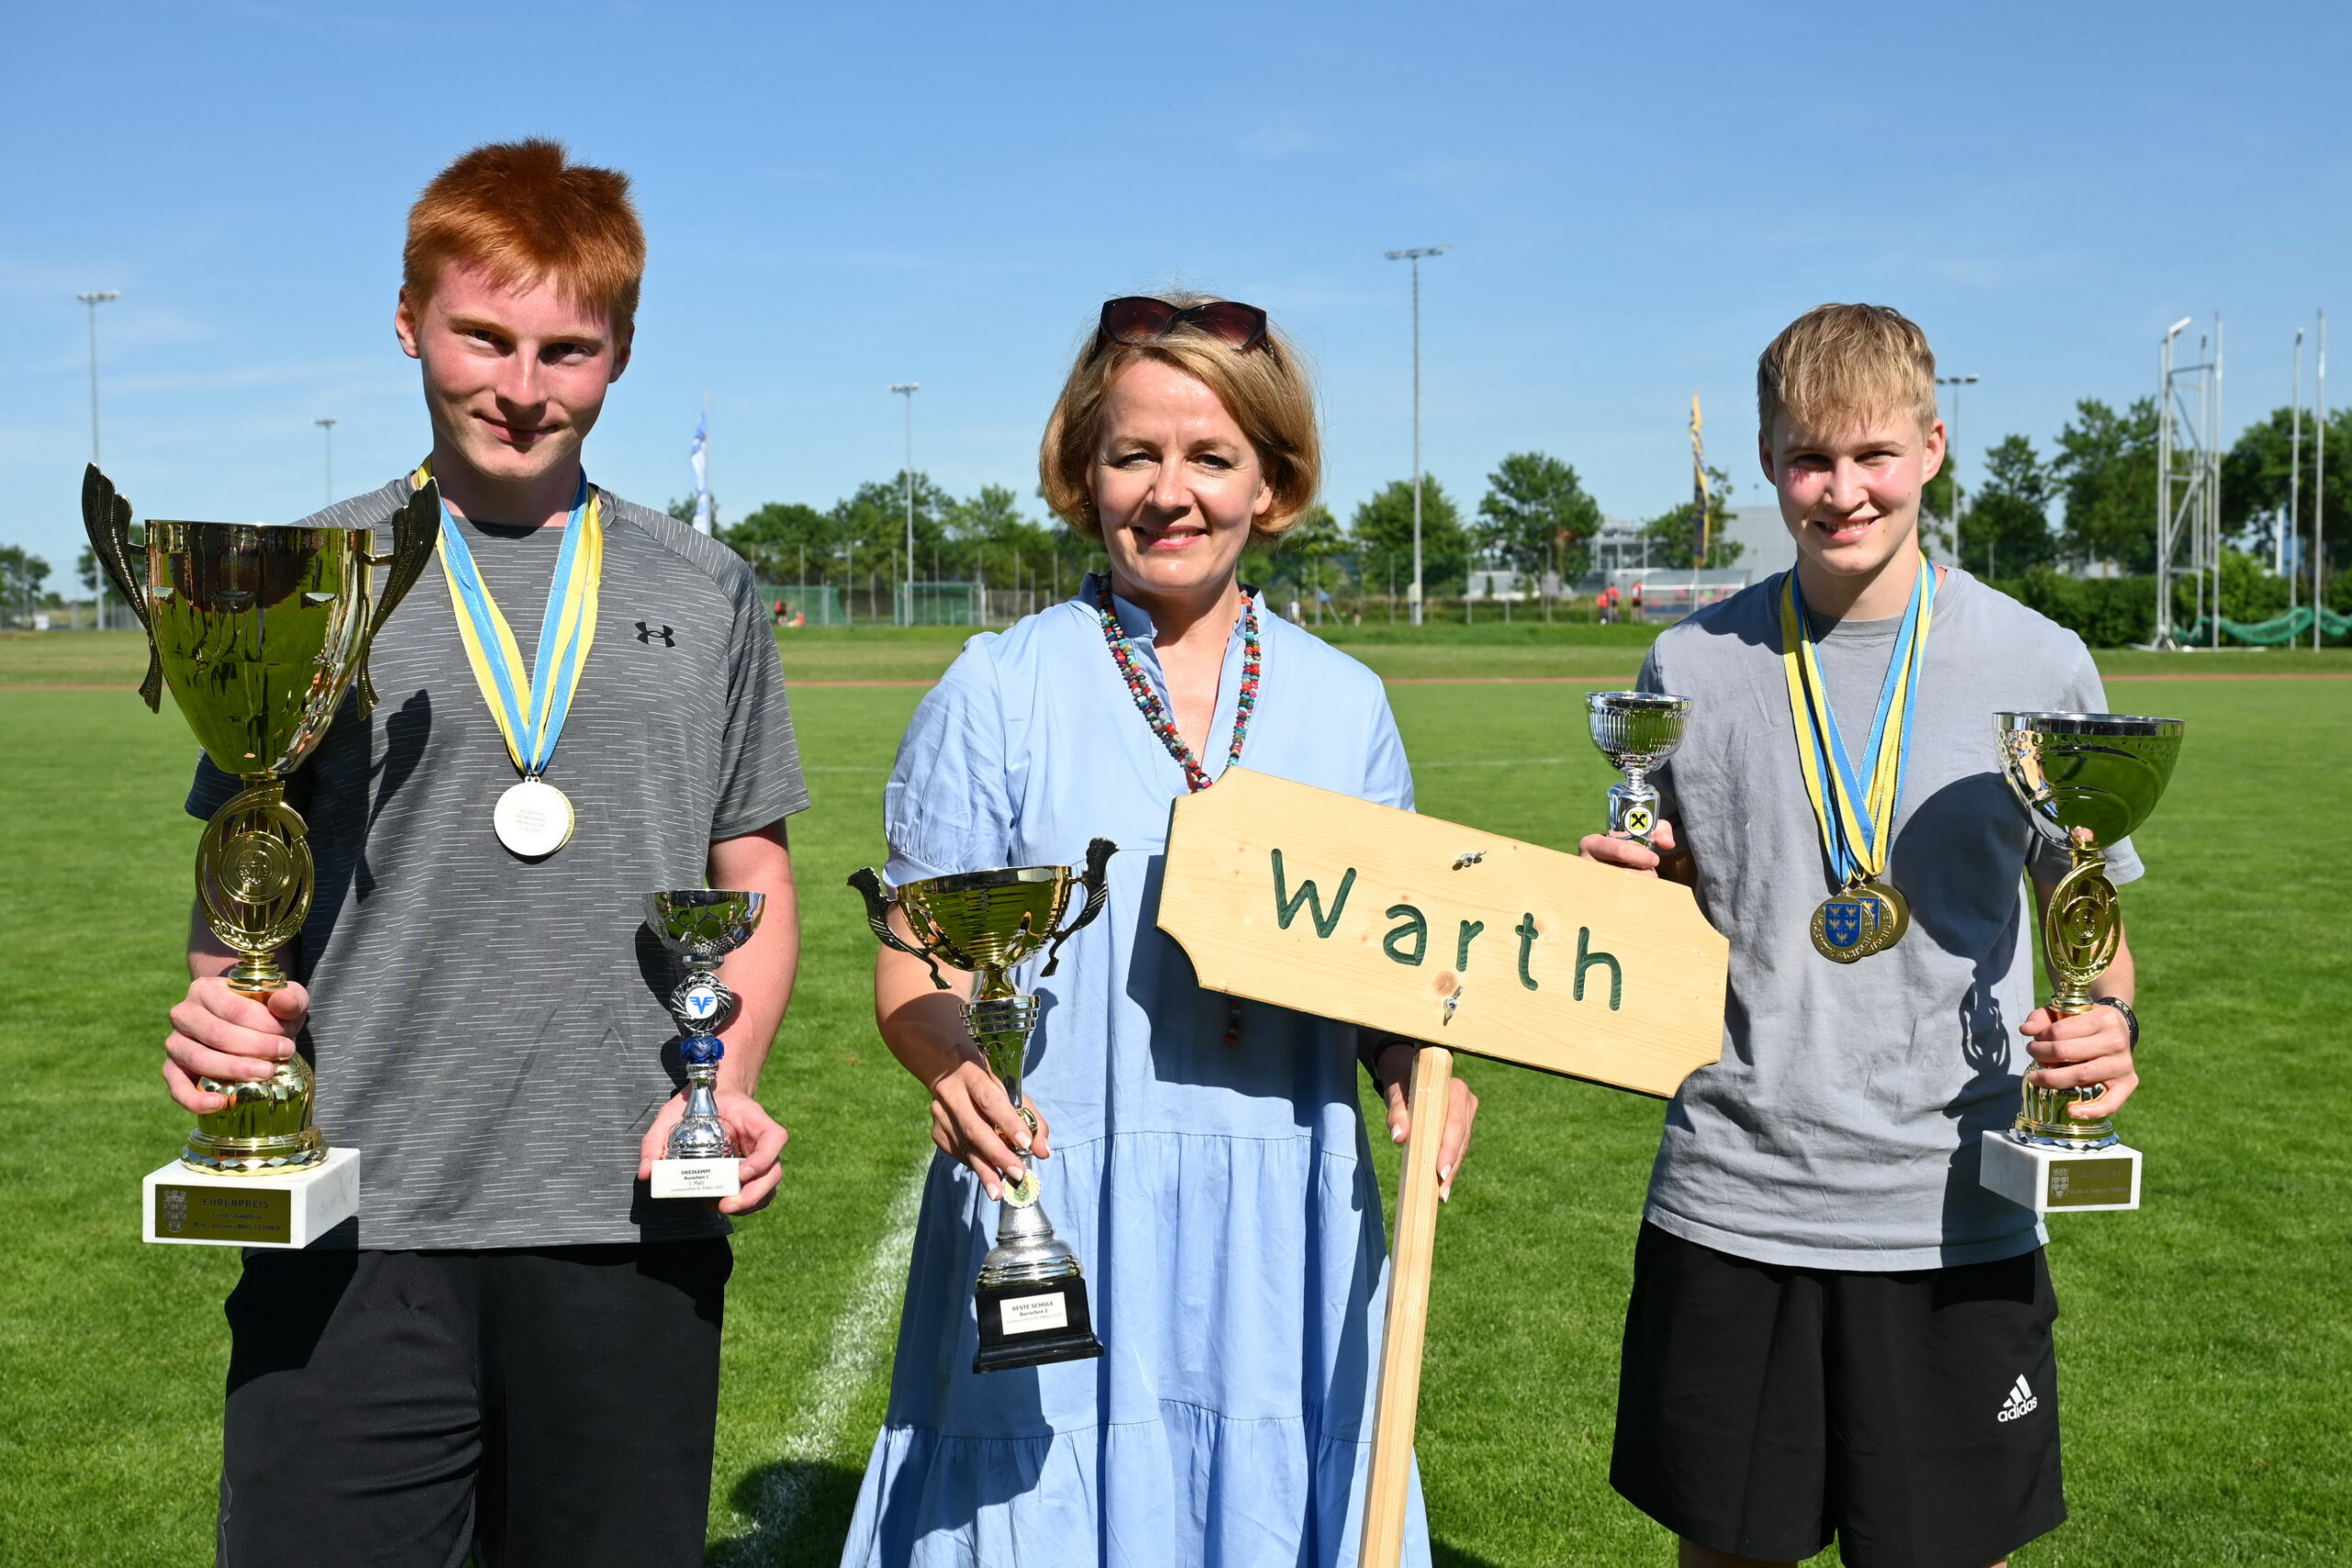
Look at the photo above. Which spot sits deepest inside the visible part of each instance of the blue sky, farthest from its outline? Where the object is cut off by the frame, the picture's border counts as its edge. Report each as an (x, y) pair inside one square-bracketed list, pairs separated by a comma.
[(839, 198)]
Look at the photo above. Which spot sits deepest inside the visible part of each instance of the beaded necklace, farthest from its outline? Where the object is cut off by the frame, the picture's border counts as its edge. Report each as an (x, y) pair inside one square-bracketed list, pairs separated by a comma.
[(1155, 712)]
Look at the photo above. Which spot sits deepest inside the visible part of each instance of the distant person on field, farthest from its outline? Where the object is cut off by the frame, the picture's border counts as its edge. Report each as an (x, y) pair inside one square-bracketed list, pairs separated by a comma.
[(1207, 1156), (517, 1354), (1835, 1330)]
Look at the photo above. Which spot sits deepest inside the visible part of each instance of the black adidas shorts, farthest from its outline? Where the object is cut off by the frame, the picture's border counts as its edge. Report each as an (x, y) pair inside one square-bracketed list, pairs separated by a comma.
[(1762, 1410)]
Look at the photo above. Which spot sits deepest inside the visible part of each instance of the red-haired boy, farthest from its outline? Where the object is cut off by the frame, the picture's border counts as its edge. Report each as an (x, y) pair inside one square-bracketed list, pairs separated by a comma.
[(514, 1351), (1835, 1330)]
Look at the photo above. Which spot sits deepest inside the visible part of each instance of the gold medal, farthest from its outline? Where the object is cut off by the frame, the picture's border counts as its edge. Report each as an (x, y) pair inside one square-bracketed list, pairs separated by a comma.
[(1898, 912)]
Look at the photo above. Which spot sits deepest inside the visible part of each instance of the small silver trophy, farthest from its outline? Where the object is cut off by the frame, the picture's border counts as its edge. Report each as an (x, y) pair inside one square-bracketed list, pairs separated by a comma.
[(1637, 731), (701, 926)]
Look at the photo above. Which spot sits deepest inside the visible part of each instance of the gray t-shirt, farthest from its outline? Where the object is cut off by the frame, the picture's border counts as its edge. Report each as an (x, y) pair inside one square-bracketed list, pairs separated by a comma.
[(488, 1032), (1840, 1130)]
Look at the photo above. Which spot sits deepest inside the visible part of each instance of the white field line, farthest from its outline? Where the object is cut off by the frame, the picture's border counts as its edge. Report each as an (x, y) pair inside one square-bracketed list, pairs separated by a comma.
[(860, 1336)]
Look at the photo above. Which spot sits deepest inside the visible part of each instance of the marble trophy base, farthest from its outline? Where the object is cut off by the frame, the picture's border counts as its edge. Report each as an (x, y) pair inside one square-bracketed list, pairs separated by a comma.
[(1034, 1323), (697, 1178), (206, 1209), (2049, 1179)]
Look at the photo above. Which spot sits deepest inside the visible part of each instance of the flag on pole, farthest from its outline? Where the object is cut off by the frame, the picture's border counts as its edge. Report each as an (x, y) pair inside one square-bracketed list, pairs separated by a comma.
[(699, 457)]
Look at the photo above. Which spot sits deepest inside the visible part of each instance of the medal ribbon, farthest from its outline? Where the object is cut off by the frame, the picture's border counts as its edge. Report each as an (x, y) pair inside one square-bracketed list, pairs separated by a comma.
[(530, 708), (1856, 822)]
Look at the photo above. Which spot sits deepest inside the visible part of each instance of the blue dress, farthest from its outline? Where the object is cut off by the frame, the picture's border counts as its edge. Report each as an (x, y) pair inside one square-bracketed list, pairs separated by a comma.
[(1221, 1197)]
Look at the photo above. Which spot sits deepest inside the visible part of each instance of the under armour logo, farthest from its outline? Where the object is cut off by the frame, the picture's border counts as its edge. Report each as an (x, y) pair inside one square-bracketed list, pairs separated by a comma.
[(648, 633)]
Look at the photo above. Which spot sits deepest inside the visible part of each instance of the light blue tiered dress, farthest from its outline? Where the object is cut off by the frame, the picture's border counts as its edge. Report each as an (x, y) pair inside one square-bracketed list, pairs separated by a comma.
[(1220, 1195)]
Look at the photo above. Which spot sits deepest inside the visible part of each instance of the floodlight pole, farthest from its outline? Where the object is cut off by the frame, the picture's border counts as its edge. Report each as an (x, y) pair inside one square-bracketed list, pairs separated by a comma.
[(1414, 257), (328, 425), (94, 298), (2319, 491), (907, 390), (1951, 457), (2294, 479)]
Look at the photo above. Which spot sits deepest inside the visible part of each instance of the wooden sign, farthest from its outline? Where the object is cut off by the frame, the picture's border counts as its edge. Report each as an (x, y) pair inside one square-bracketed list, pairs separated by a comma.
[(1336, 906)]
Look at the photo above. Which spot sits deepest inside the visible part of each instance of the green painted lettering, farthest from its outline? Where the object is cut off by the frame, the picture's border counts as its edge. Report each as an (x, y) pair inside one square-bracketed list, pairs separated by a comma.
[(1527, 935), (1286, 903), (1414, 929), (1470, 930), (1586, 959)]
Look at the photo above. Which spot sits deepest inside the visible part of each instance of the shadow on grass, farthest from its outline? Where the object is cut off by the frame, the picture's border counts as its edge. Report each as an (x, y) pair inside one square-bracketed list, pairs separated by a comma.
[(799, 1512), (1444, 1556)]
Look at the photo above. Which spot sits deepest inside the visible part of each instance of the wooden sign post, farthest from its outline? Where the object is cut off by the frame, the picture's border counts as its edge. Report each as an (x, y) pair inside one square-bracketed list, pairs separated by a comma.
[(1333, 906)]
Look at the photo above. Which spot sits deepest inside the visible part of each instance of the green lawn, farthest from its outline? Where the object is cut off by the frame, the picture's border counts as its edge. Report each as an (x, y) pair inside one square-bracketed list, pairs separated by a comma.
[(2205, 1346)]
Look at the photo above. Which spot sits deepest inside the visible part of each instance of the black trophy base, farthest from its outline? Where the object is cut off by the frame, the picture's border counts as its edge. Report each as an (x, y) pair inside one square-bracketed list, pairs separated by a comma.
[(1035, 1325)]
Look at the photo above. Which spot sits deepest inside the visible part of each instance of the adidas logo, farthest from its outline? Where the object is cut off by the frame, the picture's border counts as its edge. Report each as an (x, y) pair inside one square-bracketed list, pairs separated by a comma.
[(2021, 1401)]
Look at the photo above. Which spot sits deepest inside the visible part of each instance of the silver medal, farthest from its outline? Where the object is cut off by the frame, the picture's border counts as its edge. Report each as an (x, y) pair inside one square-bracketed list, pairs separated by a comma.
[(534, 819)]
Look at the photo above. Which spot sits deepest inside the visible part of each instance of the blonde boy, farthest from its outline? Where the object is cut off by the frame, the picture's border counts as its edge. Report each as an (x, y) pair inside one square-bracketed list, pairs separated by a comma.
[(1834, 1331)]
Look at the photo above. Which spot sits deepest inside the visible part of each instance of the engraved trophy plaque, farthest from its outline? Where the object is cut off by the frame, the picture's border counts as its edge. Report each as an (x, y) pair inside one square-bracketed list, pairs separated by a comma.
[(1031, 1291)]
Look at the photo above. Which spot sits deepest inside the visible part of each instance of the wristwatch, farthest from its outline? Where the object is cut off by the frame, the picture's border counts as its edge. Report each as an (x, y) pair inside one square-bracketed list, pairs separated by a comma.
[(2129, 1018)]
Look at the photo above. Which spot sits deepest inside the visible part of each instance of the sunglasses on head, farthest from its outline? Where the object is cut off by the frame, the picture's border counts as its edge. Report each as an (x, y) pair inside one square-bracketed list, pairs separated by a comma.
[(1139, 319)]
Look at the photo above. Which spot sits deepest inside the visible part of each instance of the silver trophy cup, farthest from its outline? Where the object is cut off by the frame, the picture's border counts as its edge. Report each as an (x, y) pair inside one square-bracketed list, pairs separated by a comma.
[(1637, 731), (701, 926)]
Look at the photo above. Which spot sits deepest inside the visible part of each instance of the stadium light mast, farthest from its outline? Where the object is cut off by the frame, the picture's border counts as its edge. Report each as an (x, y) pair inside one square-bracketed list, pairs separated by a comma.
[(907, 390), (328, 425), (2294, 481), (1414, 257), (1951, 457), (2319, 491), (94, 298)]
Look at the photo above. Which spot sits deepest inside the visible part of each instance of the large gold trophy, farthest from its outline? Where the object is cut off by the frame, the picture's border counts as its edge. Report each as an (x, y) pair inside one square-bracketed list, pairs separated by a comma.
[(2087, 780), (1031, 1296), (259, 631)]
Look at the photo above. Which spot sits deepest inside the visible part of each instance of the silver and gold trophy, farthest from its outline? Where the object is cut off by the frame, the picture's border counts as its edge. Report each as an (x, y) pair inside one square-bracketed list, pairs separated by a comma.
[(1637, 731), (259, 630), (2086, 781), (1032, 1292), (701, 926)]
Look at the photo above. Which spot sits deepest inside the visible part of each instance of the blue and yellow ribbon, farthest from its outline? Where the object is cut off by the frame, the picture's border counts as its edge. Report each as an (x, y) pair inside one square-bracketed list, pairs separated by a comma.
[(530, 706), (1857, 818)]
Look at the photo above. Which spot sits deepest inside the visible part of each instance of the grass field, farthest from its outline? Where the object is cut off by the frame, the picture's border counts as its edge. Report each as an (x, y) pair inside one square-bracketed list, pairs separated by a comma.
[(2205, 1346)]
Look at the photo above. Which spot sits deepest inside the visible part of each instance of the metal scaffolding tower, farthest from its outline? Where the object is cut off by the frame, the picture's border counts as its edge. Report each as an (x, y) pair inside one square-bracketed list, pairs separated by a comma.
[(2188, 482)]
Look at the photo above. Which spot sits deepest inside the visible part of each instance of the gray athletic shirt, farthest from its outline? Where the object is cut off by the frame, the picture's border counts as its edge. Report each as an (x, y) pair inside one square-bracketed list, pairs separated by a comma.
[(488, 1032), (1840, 1130)]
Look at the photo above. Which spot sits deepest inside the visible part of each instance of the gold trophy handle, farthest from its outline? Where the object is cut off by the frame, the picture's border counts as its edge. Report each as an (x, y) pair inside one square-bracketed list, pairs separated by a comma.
[(1097, 883), (415, 529), (105, 517), (878, 915)]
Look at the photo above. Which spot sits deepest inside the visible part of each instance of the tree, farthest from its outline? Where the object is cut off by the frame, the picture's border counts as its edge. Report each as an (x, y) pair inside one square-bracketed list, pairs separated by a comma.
[(21, 576), (2255, 475), (2106, 468), (1311, 541), (1670, 533), (1535, 506), (2006, 528), (871, 523), (780, 536), (1383, 530)]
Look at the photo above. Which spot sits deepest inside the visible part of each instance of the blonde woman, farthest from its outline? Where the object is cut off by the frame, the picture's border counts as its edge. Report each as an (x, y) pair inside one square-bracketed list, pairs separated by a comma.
[(1205, 1158)]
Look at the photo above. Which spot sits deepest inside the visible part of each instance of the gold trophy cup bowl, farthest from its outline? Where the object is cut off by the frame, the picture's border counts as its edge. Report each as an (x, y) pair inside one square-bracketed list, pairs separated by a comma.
[(260, 631)]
